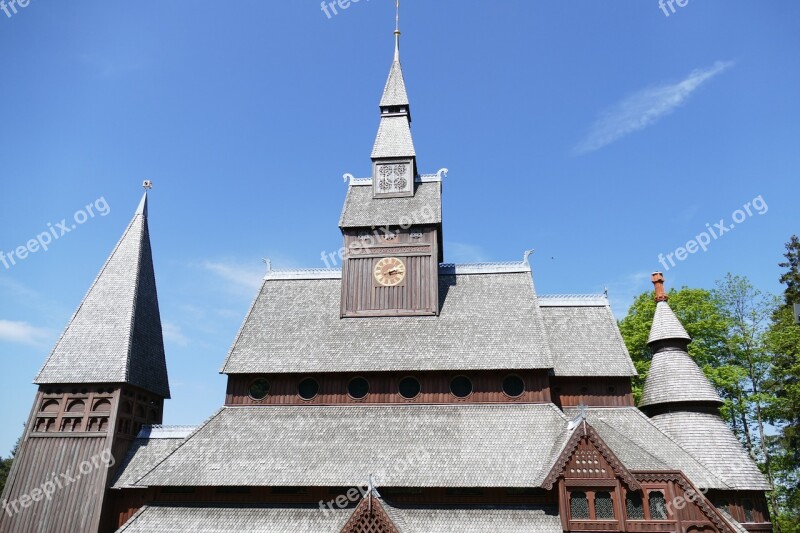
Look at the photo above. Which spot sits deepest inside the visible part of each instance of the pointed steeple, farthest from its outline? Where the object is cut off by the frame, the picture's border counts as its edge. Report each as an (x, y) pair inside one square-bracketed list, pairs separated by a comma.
[(394, 140), (115, 335), (673, 377)]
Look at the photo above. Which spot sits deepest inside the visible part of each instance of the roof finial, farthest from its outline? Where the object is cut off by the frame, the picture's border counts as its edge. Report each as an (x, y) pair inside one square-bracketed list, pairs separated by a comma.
[(397, 31), (142, 209), (658, 281)]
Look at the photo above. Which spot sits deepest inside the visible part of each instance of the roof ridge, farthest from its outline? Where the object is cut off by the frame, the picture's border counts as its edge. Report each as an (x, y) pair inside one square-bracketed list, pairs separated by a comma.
[(137, 282), (86, 295), (241, 327), (668, 436), (178, 447)]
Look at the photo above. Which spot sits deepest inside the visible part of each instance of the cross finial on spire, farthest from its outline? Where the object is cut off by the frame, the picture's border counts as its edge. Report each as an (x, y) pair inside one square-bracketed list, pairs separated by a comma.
[(397, 30)]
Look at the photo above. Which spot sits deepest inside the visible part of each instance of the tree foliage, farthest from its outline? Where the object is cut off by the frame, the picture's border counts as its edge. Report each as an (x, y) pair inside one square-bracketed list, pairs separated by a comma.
[(748, 346), (5, 466), (697, 310), (783, 343)]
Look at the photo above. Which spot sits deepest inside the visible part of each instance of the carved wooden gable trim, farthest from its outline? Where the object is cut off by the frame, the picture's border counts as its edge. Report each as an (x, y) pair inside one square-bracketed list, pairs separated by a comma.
[(587, 456), (370, 517), (693, 496)]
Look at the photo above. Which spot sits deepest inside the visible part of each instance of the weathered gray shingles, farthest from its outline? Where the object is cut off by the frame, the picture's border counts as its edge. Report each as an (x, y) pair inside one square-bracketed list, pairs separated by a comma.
[(393, 138), (712, 443), (474, 519), (585, 341), (394, 93), (361, 210), (675, 377), (115, 335), (402, 445), (143, 455), (487, 321), (666, 325), (641, 445), (178, 518)]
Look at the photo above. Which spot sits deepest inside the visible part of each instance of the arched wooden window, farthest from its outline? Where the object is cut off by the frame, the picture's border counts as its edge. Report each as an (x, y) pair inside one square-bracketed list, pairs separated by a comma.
[(658, 505), (578, 505), (634, 506), (603, 506)]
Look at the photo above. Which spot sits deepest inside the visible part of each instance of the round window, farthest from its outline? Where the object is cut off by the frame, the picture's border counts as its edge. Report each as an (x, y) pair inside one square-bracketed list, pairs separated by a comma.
[(409, 388), (461, 386), (358, 388), (308, 388), (259, 389), (513, 386)]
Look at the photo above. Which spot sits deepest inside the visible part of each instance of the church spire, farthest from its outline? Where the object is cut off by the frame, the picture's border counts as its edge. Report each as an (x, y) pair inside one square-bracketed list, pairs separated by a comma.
[(674, 378), (393, 155), (115, 335)]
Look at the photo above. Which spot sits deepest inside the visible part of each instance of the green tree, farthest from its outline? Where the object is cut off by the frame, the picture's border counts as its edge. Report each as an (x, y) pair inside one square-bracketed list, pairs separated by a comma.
[(783, 343), (748, 312), (697, 310), (5, 466)]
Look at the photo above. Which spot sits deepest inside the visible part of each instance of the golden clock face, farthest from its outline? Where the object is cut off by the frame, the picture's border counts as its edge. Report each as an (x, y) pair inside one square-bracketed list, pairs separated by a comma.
[(390, 271)]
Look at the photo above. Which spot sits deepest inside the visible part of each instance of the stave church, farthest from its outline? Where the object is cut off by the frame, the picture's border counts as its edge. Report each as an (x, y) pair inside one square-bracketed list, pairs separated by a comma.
[(398, 394)]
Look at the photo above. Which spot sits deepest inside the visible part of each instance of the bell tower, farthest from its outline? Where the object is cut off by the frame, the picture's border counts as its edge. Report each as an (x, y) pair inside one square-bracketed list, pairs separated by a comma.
[(392, 221), (104, 379)]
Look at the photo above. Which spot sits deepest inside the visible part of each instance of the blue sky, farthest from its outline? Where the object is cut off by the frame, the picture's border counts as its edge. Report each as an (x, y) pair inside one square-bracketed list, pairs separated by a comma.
[(601, 134)]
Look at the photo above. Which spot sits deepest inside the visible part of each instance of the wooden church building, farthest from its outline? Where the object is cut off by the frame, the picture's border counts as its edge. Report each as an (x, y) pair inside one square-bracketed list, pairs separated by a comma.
[(398, 394)]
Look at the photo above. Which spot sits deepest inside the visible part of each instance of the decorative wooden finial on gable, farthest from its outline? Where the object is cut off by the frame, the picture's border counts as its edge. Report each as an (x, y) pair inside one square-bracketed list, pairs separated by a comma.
[(658, 282)]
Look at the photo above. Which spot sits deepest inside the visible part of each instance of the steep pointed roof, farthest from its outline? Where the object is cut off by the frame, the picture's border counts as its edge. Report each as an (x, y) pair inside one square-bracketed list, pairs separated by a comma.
[(666, 325), (394, 133), (394, 93), (673, 377), (115, 334)]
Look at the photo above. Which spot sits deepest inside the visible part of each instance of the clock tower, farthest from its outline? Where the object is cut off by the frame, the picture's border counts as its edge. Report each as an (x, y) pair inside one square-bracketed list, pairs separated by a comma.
[(392, 221)]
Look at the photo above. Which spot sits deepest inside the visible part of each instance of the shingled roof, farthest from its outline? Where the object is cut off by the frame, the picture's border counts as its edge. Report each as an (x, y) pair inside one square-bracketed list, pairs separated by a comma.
[(711, 442), (115, 334), (474, 519), (583, 337), (152, 445), (675, 377), (402, 445), (394, 93), (221, 518), (666, 325), (488, 320), (361, 210), (641, 445)]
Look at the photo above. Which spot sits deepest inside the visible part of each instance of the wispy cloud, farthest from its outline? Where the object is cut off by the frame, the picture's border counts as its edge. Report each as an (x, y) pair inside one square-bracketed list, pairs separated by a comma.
[(173, 333), (22, 333), (644, 108), (243, 276)]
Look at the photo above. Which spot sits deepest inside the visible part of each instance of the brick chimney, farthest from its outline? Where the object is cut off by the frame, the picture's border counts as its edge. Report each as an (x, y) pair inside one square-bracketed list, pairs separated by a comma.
[(658, 281)]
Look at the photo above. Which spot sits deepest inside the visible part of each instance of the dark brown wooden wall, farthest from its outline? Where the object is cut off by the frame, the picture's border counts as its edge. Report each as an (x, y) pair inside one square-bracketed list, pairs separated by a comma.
[(487, 388), (592, 392), (417, 294)]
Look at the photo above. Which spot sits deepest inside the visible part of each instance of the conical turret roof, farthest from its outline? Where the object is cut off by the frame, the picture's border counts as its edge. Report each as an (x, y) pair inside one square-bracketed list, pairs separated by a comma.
[(115, 335)]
